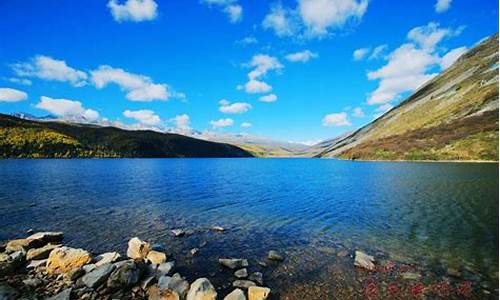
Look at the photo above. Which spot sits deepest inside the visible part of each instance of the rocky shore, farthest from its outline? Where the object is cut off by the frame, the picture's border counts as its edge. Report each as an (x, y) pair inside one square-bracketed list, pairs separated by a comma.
[(40, 266)]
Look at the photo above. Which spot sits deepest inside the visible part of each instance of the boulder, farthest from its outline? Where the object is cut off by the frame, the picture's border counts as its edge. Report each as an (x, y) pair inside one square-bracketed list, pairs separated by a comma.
[(166, 268), (47, 237), (201, 289), (105, 258), (138, 249), (156, 257), (275, 255), (98, 276), (10, 263), (64, 295), (154, 293), (241, 273), (257, 277), (65, 259), (233, 263), (32, 283), (175, 283), (22, 245), (237, 294), (243, 284), (258, 293), (126, 274), (364, 260), (40, 253)]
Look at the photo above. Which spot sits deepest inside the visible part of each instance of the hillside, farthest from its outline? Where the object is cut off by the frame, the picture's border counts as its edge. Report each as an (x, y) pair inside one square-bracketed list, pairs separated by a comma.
[(38, 139), (454, 116)]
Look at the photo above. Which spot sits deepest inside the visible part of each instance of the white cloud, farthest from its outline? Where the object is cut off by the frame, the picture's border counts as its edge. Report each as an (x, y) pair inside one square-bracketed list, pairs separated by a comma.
[(303, 56), (320, 15), (450, 57), (408, 66), (283, 21), (358, 112), (182, 122), (234, 108), (336, 119), (138, 87), (233, 10), (143, 116), (47, 68), (313, 18), (246, 125), (67, 109), (360, 53), (248, 40), (222, 123), (12, 95), (377, 52), (133, 10), (442, 5), (254, 86), (268, 98), (21, 81)]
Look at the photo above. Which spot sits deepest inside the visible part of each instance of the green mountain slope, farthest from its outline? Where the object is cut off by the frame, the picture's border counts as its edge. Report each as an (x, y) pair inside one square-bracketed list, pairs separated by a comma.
[(454, 116), (25, 138)]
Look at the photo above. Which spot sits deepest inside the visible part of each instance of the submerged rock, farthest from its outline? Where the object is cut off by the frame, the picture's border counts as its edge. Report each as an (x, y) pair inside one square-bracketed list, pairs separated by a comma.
[(178, 232), (275, 255), (138, 249), (237, 294), (364, 260), (234, 263), (65, 259), (201, 289), (258, 293), (241, 273), (243, 284), (98, 276), (194, 251), (218, 228)]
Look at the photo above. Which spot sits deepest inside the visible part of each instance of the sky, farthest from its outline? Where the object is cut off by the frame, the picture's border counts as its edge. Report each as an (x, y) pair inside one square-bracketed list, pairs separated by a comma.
[(298, 70)]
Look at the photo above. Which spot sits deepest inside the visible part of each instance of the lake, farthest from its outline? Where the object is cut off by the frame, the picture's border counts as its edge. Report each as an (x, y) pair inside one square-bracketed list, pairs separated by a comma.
[(438, 220)]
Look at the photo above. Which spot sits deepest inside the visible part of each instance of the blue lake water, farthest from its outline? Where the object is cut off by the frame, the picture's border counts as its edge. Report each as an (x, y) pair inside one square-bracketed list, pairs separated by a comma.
[(437, 215)]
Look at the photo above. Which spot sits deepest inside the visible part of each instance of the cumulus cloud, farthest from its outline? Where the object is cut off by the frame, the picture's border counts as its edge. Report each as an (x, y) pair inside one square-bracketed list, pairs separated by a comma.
[(336, 119), (222, 123), (67, 109), (261, 64), (268, 98), (442, 5), (358, 112), (233, 10), (246, 125), (138, 87), (254, 86), (47, 68), (409, 66), (233, 108), (313, 18), (450, 57), (182, 122), (360, 53), (143, 116), (133, 10), (302, 56), (12, 95)]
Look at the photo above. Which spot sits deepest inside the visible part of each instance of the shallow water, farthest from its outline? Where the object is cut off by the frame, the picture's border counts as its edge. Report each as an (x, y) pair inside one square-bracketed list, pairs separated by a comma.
[(431, 216)]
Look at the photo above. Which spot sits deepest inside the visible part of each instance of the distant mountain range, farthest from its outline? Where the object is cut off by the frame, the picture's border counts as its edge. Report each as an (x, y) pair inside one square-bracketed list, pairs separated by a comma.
[(454, 116), (25, 137)]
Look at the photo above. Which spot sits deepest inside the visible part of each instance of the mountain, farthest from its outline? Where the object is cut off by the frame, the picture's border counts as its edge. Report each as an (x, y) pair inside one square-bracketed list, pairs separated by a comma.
[(31, 138), (454, 116)]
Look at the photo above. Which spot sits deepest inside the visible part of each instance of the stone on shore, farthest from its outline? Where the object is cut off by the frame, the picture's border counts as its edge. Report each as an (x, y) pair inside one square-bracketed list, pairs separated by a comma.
[(237, 294), (47, 237), (7, 292), (32, 283), (9, 263), (22, 245), (241, 273), (105, 258), (175, 283), (64, 295), (40, 253), (65, 259), (36, 263), (258, 293), (98, 276), (126, 274), (234, 263), (154, 293), (243, 284), (364, 260), (166, 268), (257, 277), (201, 289), (156, 257), (138, 249), (275, 255)]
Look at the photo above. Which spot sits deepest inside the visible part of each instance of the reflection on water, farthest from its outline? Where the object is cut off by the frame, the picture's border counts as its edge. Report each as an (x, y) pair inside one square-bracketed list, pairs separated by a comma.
[(438, 215)]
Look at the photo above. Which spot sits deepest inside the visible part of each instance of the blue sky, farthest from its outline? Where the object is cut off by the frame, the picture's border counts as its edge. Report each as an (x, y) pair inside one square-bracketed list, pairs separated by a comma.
[(332, 65)]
